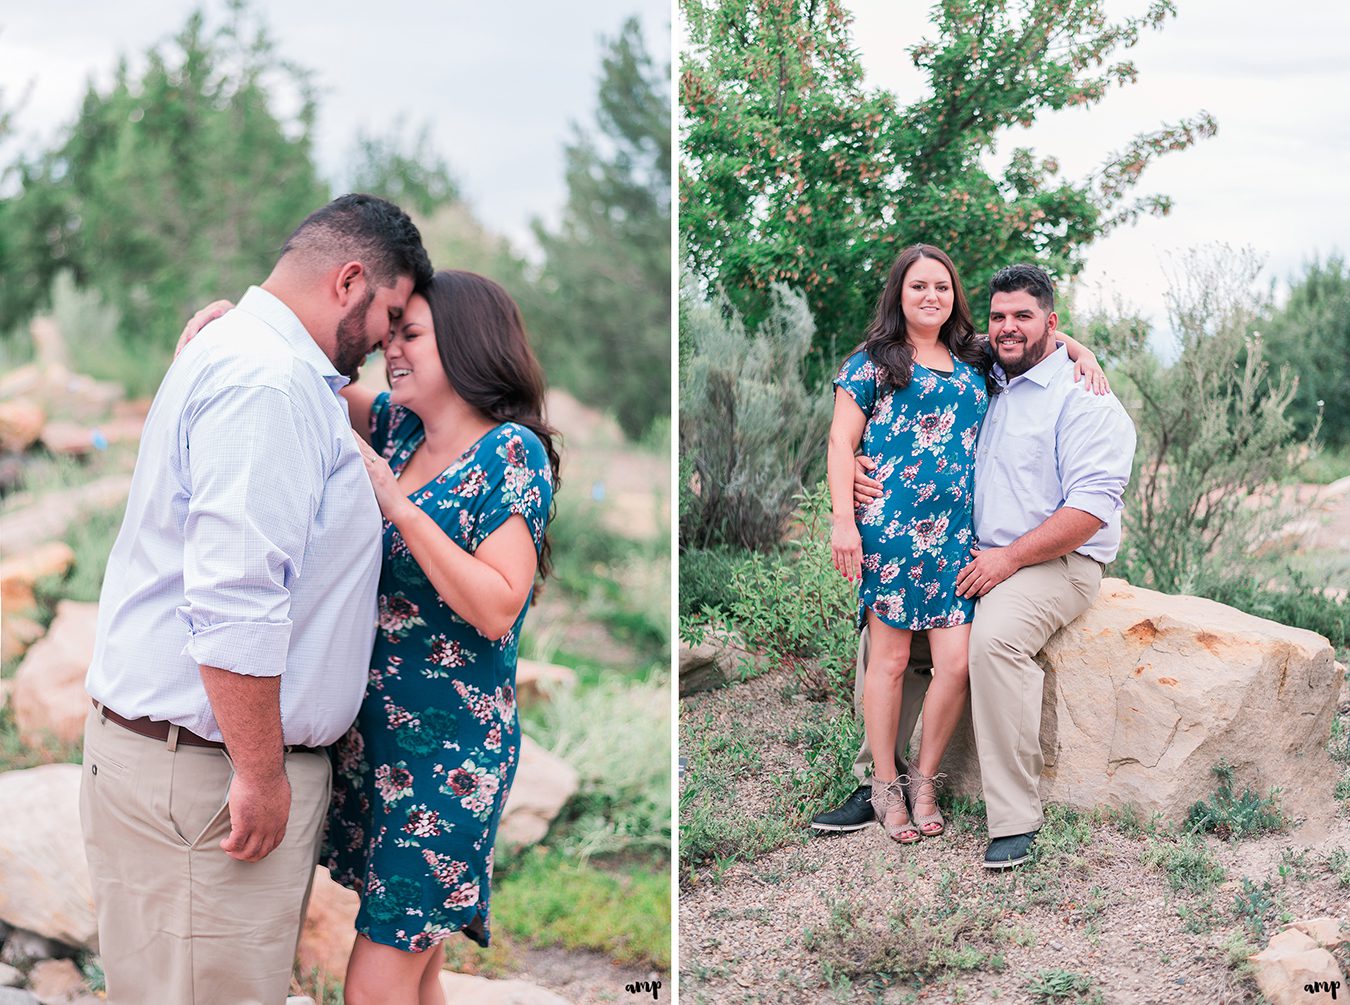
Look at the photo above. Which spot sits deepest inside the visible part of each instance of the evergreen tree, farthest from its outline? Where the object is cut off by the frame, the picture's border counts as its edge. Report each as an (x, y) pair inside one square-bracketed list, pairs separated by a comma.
[(601, 308), (794, 171), (170, 189), (1311, 335)]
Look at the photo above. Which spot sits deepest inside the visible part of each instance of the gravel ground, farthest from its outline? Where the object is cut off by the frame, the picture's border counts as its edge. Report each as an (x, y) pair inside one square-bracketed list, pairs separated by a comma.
[(793, 923)]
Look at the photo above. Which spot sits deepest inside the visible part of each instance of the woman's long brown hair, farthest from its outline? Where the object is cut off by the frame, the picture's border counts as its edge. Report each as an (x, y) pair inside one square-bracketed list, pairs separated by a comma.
[(480, 336)]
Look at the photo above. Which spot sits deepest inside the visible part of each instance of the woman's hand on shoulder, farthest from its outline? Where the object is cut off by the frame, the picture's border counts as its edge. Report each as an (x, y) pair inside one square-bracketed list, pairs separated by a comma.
[(199, 321)]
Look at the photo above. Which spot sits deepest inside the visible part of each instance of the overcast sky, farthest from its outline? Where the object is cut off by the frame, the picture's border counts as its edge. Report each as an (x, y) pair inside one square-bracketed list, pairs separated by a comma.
[(499, 84), (1275, 177)]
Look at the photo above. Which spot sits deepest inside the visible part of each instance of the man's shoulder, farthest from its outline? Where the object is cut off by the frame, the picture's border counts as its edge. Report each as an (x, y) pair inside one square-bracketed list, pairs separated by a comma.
[(239, 350)]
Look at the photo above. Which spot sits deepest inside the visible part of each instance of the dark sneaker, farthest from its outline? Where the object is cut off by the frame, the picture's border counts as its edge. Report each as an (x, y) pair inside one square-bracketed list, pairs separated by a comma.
[(854, 814), (1006, 852)]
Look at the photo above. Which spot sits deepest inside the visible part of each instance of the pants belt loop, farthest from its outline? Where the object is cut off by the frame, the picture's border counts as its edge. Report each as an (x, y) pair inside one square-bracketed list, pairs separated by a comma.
[(98, 707), (173, 738)]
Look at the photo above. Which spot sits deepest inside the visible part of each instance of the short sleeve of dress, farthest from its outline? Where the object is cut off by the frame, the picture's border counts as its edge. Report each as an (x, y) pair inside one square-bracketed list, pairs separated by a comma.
[(522, 483), (858, 378)]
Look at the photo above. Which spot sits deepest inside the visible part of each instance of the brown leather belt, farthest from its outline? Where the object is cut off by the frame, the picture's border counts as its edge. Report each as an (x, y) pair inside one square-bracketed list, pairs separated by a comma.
[(158, 729)]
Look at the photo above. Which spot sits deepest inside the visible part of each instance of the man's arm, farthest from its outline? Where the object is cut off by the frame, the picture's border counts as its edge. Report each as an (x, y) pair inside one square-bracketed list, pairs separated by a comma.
[(255, 477), (1063, 531)]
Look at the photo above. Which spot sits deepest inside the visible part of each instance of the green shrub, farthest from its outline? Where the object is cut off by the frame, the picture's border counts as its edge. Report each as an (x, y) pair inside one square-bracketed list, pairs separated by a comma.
[(706, 579), (1235, 816), (752, 433), (1186, 861), (796, 607)]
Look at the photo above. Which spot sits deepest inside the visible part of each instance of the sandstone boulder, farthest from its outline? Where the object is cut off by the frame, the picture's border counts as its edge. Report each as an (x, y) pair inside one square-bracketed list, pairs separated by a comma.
[(50, 517), (1293, 963), (329, 928), (534, 680), (719, 658), (44, 880), (481, 991), (49, 696), (17, 575), (543, 784), (55, 981), (20, 424), (1145, 693)]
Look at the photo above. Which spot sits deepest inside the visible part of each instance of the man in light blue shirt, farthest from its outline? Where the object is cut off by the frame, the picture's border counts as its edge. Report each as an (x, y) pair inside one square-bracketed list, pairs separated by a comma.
[(236, 621), (1051, 467)]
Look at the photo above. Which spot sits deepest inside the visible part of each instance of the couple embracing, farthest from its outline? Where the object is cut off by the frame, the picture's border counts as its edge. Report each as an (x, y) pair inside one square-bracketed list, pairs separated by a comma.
[(308, 568), (993, 504)]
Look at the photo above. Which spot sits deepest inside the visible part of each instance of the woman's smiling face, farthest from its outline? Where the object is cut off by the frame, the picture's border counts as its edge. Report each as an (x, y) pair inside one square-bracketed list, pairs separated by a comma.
[(926, 296), (413, 362)]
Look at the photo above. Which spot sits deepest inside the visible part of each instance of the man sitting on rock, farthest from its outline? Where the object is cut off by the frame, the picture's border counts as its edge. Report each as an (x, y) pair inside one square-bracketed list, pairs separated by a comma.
[(1050, 471)]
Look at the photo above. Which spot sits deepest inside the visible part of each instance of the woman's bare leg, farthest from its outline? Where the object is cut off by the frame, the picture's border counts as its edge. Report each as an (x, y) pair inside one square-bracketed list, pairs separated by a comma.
[(383, 975), (881, 693), (429, 991), (943, 704)]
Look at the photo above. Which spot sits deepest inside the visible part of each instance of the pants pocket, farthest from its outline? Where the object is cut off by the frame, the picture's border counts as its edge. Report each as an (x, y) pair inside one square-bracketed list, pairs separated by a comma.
[(199, 796)]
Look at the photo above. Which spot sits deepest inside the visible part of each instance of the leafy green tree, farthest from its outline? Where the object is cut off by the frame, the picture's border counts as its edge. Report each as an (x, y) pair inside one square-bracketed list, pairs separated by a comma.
[(168, 190), (1310, 334), (601, 307), (795, 171)]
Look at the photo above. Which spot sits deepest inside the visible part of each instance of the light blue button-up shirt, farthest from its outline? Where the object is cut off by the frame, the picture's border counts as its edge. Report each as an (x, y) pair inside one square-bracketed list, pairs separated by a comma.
[(251, 537), (1045, 444)]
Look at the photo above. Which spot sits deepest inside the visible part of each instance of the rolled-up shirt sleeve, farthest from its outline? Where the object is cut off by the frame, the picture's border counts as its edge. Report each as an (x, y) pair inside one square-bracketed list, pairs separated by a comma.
[(1095, 446), (255, 474)]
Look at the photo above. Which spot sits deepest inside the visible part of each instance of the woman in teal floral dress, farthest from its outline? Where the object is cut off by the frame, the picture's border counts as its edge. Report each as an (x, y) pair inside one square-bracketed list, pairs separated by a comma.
[(464, 470)]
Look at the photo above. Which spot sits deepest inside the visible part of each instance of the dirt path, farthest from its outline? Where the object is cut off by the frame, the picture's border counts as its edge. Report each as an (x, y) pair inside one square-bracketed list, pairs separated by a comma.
[(814, 920)]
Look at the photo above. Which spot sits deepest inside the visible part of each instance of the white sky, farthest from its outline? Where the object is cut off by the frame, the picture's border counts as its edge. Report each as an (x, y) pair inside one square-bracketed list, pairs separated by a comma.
[(1276, 77), (498, 84)]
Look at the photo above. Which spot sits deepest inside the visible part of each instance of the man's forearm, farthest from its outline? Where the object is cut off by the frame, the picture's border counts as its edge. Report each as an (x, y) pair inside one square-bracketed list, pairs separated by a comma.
[(1062, 532), (248, 710)]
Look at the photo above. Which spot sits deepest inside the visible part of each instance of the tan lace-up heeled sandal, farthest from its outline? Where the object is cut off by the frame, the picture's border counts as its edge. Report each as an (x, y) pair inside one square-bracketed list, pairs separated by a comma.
[(889, 796), (919, 785)]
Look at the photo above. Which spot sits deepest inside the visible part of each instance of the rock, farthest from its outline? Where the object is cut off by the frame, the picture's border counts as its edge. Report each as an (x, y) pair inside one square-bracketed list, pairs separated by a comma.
[(21, 424), (329, 929), (44, 880), (15, 996), (75, 440), (55, 981), (17, 576), (534, 680), (720, 657), (50, 517), (10, 977), (481, 991), (49, 695), (1289, 964), (1145, 693), (1326, 932), (299, 1000), (24, 947), (543, 784)]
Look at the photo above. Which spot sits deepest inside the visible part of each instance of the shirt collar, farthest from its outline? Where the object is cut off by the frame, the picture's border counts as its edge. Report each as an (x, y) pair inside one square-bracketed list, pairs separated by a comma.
[(1042, 373), (274, 313)]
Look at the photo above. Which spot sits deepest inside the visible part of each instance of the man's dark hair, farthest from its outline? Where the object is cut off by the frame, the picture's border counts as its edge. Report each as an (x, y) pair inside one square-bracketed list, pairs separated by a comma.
[(366, 229), (1025, 279)]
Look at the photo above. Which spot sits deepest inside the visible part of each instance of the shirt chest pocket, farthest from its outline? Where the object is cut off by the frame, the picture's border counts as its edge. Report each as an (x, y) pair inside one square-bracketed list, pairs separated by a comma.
[(1027, 461)]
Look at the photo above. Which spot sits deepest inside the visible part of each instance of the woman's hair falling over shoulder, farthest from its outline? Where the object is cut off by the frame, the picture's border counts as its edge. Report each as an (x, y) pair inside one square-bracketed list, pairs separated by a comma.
[(480, 336), (887, 342)]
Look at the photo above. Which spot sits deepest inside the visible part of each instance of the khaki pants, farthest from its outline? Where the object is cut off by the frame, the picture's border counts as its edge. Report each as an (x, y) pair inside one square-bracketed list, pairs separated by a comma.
[(1013, 621), (179, 920)]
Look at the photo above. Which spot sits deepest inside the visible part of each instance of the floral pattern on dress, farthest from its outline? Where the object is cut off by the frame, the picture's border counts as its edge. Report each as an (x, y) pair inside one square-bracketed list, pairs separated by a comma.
[(917, 536), (420, 781)]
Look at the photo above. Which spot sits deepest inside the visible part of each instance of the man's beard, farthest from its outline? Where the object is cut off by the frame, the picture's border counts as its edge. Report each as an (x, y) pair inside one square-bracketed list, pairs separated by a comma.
[(353, 339), (1032, 353)]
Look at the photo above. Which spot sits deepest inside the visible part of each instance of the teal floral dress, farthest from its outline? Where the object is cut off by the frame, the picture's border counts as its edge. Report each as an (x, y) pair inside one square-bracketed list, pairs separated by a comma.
[(420, 780), (917, 536)]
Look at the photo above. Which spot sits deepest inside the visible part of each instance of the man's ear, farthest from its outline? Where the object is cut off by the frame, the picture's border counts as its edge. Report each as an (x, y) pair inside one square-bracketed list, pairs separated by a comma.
[(349, 282), (1052, 322)]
